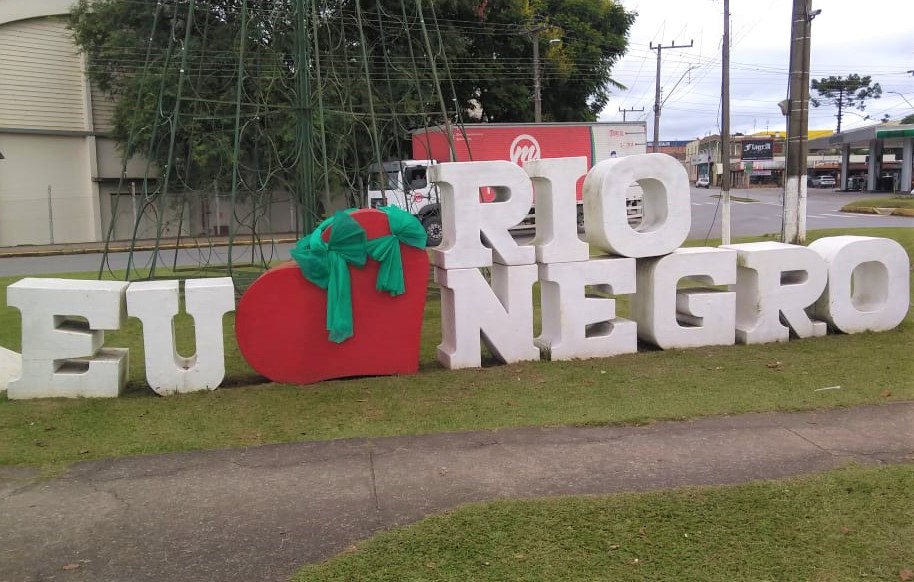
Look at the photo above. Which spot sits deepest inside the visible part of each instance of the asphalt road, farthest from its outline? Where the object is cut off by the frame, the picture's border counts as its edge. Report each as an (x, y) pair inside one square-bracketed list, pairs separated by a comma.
[(762, 216)]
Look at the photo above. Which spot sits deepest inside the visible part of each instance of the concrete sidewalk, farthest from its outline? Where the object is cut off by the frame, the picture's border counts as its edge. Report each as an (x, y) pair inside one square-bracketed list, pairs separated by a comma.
[(260, 513)]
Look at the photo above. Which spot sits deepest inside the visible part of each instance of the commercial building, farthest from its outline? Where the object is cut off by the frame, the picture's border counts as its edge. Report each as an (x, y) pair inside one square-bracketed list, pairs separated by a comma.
[(758, 159), (675, 148), (877, 158)]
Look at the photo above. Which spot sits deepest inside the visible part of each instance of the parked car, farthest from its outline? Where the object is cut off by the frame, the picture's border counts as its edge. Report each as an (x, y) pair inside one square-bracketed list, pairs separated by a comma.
[(822, 182), (703, 182), (856, 183)]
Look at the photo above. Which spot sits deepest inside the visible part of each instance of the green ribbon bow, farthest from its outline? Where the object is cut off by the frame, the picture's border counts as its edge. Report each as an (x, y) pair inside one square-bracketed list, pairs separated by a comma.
[(404, 228), (326, 264)]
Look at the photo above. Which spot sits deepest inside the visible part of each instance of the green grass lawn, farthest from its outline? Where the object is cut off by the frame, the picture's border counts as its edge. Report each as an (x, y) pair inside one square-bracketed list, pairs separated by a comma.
[(905, 203), (850, 524), (636, 388)]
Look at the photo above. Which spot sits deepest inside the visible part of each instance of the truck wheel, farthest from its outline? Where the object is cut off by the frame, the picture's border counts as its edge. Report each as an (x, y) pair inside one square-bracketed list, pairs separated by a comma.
[(580, 219), (432, 225)]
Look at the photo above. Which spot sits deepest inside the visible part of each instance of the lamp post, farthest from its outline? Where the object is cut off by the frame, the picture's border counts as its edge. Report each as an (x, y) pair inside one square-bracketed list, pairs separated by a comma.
[(893, 92)]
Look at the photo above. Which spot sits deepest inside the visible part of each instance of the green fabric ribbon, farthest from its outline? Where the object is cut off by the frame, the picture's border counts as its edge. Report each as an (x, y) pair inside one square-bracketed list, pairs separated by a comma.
[(326, 264), (404, 228)]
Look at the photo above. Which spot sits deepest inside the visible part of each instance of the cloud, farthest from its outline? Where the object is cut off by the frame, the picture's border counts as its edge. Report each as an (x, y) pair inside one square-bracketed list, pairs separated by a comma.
[(845, 39)]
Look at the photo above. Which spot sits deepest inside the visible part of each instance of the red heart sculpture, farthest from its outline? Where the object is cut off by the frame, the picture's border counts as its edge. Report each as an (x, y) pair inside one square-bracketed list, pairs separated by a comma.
[(281, 328)]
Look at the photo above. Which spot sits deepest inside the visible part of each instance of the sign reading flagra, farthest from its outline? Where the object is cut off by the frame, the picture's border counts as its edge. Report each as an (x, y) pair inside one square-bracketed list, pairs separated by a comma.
[(757, 149)]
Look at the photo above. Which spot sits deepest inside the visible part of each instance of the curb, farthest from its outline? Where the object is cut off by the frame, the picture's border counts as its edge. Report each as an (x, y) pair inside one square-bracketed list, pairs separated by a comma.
[(880, 211)]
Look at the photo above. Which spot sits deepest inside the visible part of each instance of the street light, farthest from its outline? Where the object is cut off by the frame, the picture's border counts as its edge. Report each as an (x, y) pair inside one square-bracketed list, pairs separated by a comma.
[(903, 97)]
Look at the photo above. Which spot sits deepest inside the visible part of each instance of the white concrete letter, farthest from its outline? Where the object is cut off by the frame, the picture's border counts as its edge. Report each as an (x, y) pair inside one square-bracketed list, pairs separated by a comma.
[(502, 314), (577, 326), (666, 202), (774, 281), (555, 183), (62, 338), (464, 217), (10, 367), (686, 318), (868, 283), (155, 303)]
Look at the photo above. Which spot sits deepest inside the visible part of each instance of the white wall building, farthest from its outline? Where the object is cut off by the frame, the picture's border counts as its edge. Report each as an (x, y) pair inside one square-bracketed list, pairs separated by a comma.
[(60, 176), (48, 130)]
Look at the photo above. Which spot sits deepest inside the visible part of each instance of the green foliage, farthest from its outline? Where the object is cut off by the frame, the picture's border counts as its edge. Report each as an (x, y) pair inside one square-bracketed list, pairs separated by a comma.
[(136, 53), (209, 93), (842, 92), (908, 119), (579, 42)]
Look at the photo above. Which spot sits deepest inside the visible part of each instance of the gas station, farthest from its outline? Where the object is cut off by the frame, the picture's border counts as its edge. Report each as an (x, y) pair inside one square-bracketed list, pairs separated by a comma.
[(882, 174)]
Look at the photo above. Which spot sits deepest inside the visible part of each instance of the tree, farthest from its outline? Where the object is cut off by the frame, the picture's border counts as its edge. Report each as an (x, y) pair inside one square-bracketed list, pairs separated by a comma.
[(207, 90), (579, 42), (908, 119), (853, 91), (177, 103)]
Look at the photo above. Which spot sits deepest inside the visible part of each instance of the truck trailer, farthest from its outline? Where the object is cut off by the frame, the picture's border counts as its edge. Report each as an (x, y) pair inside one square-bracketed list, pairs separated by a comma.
[(403, 183)]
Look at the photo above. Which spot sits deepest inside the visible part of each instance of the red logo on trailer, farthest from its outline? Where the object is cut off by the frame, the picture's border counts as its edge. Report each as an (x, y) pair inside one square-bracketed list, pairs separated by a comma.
[(524, 148), (517, 143)]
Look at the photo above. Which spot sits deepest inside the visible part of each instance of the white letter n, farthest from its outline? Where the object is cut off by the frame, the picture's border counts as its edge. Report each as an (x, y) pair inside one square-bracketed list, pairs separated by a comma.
[(501, 314)]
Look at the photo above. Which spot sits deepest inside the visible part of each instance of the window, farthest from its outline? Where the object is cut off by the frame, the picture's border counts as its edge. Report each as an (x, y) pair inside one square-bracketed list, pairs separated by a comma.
[(383, 181), (414, 177)]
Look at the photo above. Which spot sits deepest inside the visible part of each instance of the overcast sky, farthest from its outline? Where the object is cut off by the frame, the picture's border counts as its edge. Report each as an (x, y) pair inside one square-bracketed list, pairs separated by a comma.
[(868, 38)]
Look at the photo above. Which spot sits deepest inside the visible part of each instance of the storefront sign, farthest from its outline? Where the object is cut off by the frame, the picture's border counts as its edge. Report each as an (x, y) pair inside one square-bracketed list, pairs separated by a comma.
[(757, 149)]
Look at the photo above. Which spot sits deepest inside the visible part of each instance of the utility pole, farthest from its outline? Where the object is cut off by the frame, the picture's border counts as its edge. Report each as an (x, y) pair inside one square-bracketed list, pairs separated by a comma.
[(659, 48), (725, 127), (537, 89), (534, 33), (793, 226), (624, 111)]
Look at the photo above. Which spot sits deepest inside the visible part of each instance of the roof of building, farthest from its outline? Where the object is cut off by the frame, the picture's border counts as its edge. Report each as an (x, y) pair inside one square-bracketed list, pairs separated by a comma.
[(891, 132)]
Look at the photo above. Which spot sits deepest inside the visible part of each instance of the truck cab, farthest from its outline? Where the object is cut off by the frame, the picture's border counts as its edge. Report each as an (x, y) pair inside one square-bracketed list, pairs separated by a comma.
[(404, 184)]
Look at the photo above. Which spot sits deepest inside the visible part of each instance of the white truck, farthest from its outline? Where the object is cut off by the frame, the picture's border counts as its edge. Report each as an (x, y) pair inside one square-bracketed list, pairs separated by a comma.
[(403, 183)]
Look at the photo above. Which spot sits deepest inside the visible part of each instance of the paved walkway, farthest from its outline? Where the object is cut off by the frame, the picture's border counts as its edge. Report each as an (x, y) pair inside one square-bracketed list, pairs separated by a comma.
[(258, 514)]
